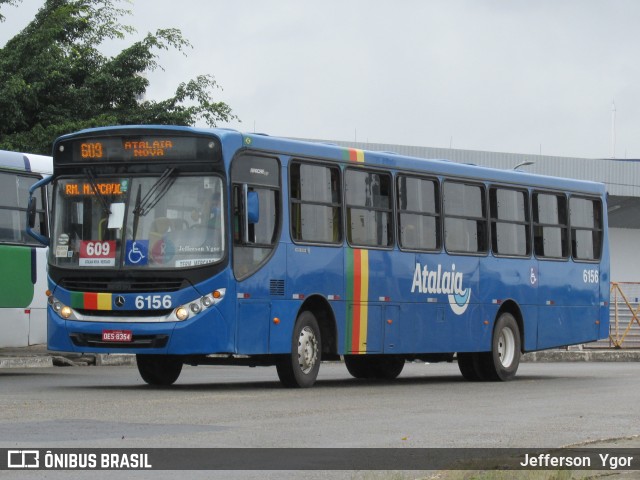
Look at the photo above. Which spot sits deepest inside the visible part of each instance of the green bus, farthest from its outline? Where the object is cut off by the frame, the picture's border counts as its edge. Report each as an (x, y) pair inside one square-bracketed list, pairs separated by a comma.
[(23, 278)]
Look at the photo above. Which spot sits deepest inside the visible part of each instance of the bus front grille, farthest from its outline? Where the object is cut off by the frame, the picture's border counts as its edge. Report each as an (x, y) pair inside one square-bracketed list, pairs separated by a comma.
[(123, 285)]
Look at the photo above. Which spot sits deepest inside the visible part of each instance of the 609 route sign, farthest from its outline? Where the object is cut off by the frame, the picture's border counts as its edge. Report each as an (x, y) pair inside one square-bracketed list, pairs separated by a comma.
[(97, 253)]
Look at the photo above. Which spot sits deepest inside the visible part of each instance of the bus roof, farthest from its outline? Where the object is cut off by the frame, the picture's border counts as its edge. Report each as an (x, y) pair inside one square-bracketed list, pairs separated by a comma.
[(424, 166), (320, 150), (26, 162)]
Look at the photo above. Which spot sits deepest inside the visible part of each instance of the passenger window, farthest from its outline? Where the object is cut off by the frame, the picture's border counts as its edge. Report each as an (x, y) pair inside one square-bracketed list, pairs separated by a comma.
[(550, 232), (418, 213), (369, 208), (465, 223), (509, 222), (586, 228), (315, 203), (14, 197)]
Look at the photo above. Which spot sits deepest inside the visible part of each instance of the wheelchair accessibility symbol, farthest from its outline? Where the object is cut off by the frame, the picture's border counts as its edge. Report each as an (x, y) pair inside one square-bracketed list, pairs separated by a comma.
[(137, 252)]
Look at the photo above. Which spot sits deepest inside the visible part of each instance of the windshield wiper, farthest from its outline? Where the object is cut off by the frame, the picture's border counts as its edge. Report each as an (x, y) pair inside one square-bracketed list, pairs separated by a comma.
[(136, 214), (155, 193), (151, 198), (92, 181)]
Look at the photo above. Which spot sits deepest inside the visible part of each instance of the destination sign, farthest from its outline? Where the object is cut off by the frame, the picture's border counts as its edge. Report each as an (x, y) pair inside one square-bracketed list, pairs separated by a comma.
[(73, 189), (139, 148)]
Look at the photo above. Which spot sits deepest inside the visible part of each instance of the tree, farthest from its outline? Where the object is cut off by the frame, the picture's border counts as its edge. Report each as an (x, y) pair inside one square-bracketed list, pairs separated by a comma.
[(54, 80)]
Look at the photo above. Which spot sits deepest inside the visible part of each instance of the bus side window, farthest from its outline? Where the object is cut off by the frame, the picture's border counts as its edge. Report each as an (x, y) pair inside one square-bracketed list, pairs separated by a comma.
[(509, 222), (315, 203), (418, 213), (465, 223), (14, 196), (369, 208), (551, 238), (586, 228)]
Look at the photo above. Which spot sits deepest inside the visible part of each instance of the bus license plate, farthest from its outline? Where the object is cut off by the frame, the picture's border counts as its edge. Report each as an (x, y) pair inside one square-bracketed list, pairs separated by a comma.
[(117, 336)]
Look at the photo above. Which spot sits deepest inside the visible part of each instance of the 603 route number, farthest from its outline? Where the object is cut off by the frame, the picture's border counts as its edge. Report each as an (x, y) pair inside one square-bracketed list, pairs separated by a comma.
[(153, 302)]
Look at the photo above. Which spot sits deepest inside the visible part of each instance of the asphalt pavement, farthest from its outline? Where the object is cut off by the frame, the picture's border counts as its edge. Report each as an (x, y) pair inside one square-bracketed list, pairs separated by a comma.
[(37, 356)]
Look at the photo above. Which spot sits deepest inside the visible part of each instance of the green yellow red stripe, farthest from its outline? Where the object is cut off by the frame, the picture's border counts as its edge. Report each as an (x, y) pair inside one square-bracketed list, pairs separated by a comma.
[(358, 297), (353, 155), (92, 301)]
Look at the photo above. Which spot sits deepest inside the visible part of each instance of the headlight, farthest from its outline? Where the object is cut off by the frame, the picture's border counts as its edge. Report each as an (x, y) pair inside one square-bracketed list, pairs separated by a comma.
[(183, 312), (60, 308)]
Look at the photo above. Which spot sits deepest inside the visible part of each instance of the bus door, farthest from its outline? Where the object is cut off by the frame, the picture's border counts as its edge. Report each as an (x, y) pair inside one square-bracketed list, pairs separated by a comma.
[(568, 241), (512, 272), (315, 257), (456, 277), (259, 266), (565, 318), (365, 270), (368, 258)]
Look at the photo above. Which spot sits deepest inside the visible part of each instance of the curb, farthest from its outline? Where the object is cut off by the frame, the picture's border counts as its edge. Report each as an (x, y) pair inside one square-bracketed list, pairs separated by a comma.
[(115, 360), (582, 356), (45, 359), (26, 362)]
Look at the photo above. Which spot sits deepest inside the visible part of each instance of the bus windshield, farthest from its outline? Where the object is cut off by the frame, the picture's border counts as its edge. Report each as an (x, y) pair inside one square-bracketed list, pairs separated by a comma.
[(142, 222)]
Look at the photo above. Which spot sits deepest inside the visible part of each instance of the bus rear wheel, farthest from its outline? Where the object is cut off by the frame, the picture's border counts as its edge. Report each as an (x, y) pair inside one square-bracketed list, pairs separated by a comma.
[(159, 369), (300, 368)]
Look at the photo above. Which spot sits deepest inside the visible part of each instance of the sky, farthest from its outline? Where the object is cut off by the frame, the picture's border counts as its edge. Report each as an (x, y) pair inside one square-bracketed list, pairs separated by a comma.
[(521, 76)]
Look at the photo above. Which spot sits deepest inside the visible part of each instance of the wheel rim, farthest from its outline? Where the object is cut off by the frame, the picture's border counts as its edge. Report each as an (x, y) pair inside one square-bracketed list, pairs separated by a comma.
[(307, 350), (506, 347)]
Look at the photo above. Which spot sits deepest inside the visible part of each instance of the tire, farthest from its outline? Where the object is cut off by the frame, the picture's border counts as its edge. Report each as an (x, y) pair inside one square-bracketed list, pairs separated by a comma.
[(161, 370), (387, 367), (358, 366), (300, 368), (468, 363), (381, 367), (501, 364)]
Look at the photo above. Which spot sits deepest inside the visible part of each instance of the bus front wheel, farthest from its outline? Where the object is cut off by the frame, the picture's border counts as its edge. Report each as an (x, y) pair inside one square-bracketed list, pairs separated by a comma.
[(300, 368), (159, 369)]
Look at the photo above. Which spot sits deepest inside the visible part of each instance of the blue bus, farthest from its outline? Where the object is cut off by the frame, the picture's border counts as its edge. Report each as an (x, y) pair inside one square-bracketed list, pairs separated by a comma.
[(23, 261), (209, 246)]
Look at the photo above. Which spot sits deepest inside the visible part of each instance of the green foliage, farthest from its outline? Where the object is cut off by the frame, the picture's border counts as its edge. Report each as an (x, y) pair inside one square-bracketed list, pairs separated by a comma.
[(54, 80)]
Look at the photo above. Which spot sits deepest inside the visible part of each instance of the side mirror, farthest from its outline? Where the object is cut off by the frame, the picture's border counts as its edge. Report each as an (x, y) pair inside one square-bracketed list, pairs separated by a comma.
[(251, 211), (253, 207), (31, 212)]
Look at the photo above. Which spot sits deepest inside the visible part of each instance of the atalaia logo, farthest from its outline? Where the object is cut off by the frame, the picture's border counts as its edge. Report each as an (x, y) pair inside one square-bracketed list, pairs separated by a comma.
[(439, 282)]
